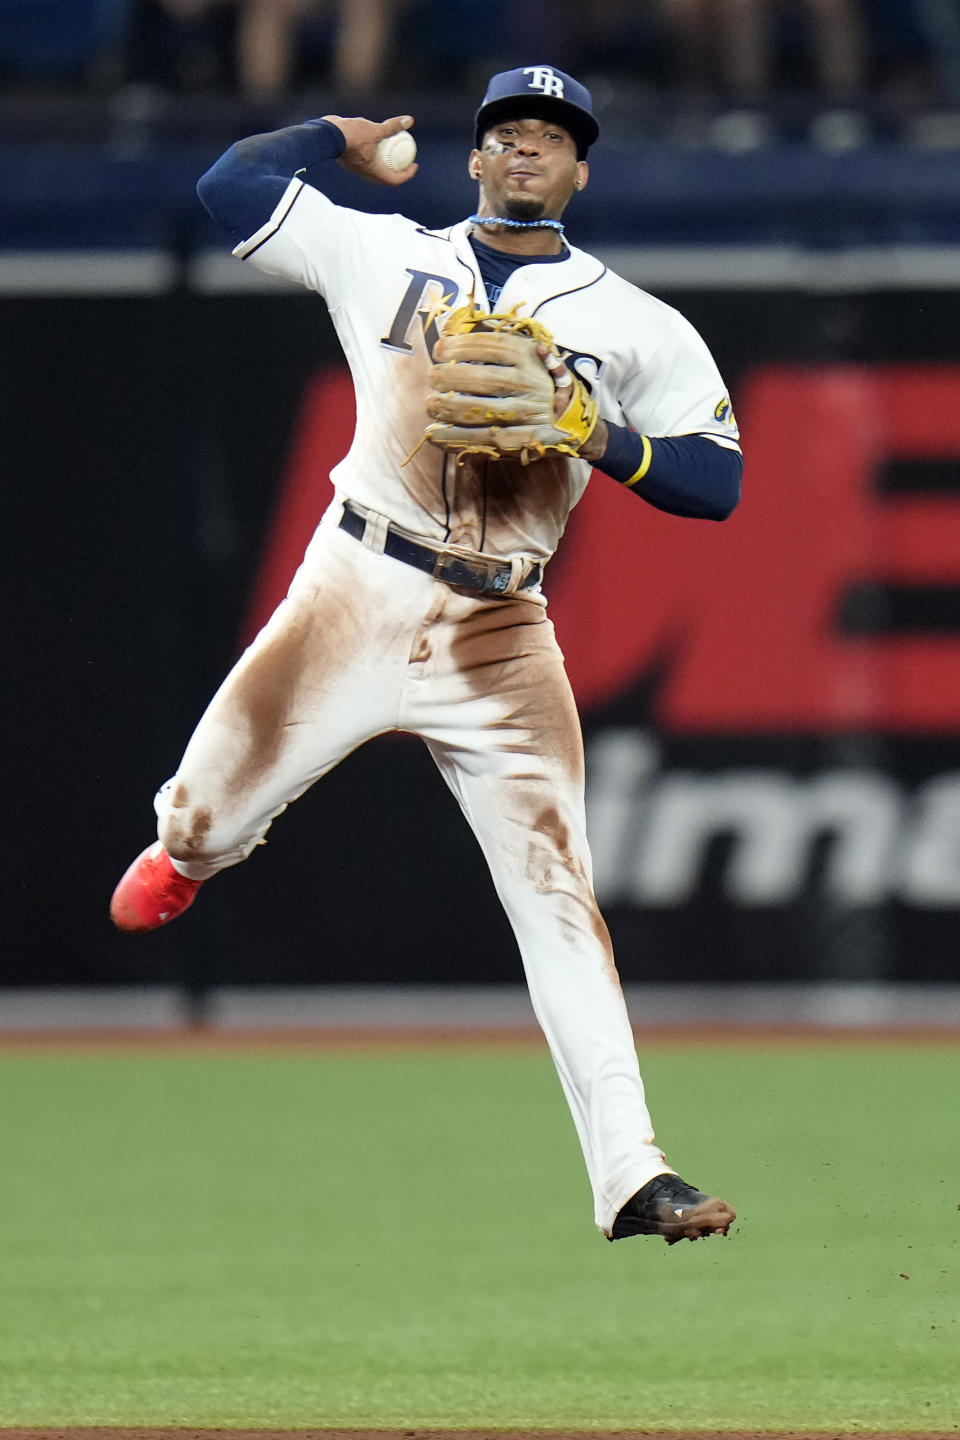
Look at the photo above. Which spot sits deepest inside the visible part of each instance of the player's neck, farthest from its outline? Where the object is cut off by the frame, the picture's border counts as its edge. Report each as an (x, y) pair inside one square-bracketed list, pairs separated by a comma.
[(519, 242)]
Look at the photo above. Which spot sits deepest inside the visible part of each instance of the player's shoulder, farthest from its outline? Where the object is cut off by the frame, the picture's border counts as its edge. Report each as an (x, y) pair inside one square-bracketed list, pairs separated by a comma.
[(623, 296), (628, 293), (311, 200)]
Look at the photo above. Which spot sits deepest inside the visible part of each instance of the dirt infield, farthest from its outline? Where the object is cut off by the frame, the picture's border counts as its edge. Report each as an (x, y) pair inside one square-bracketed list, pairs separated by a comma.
[(190, 1039), (118, 1433)]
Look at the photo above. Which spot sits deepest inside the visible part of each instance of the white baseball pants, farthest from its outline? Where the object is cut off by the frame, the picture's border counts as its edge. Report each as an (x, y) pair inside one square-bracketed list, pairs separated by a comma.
[(365, 644)]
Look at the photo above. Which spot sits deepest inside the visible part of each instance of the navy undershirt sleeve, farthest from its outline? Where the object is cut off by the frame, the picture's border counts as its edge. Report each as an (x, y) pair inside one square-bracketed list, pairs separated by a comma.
[(687, 474), (242, 189)]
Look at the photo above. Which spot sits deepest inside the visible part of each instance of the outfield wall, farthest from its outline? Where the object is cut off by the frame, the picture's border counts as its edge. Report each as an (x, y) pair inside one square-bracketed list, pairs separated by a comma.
[(771, 707)]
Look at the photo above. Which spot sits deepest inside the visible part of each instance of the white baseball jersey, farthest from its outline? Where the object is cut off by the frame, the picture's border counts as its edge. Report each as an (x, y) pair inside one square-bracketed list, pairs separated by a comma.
[(365, 644), (387, 283)]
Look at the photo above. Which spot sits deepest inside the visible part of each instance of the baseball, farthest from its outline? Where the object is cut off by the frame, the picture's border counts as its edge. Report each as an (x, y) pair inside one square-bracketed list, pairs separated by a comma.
[(397, 151)]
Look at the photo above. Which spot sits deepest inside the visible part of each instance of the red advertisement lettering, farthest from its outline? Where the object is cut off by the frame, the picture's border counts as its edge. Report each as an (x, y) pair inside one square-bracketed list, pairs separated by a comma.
[(741, 619), (744, 615)]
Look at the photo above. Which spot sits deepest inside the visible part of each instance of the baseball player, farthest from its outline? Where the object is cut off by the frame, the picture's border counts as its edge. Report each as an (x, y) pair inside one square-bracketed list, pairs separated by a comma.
[(495, 365)]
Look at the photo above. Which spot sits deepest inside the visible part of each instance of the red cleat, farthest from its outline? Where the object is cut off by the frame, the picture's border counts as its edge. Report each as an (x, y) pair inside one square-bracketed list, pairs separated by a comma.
[(151, 892)]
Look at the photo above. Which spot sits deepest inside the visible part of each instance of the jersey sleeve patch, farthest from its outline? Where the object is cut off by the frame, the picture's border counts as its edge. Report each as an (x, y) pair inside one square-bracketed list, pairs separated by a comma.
[(724, 413)]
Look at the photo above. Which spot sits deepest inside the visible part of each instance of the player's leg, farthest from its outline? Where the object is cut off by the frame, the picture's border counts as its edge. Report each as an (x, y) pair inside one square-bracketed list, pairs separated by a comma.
[(294, 704), (322, 676), (545, 885), (505, 733), (527, 825)]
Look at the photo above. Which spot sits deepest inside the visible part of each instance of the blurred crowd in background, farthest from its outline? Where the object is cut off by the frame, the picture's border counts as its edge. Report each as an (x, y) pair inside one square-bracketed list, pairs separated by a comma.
[(742, 52)]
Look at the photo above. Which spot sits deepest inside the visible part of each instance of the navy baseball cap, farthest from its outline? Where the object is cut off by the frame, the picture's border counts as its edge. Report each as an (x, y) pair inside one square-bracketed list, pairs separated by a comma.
[(535, 90)]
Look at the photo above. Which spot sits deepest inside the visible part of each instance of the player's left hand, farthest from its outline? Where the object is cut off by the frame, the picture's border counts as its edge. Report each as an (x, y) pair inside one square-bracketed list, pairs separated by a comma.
[(500, 388), (593, 446), (362, 137)]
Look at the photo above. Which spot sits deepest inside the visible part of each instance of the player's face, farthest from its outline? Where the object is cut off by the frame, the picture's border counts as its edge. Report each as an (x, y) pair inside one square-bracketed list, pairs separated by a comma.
[(527, 169)]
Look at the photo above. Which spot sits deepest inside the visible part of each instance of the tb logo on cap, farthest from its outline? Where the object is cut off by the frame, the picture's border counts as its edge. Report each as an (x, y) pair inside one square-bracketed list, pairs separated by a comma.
[(544, 80)]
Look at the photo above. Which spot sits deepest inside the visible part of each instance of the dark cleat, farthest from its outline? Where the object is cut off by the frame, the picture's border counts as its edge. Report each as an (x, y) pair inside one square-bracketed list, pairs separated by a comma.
[(668, 1206)]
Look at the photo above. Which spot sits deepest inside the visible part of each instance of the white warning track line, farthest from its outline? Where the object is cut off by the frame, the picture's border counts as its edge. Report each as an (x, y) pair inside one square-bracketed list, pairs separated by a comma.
[(785, 267), (86, 272), (682, 267)]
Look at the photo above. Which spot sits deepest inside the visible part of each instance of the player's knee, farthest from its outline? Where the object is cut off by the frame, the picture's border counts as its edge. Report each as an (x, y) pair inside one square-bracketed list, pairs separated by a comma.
[(186, 834)]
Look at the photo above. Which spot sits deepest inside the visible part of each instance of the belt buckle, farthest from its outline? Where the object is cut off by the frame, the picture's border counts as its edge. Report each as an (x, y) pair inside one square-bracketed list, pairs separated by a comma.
[(482, 576), (439, 561)]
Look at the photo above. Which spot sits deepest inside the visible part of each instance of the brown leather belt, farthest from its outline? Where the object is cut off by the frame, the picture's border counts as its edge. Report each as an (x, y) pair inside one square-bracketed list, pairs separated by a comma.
[(482, 577)]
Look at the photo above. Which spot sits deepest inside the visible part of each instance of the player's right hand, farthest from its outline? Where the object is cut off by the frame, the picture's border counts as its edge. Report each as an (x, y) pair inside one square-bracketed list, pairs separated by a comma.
[(363, 137)]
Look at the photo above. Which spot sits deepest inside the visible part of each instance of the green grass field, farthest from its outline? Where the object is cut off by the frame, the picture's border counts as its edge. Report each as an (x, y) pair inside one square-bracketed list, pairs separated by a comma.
[(405, 1239)]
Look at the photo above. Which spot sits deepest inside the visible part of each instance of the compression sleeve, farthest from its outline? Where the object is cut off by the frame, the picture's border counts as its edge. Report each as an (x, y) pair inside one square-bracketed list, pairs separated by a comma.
[(242, 189), (687, 475)]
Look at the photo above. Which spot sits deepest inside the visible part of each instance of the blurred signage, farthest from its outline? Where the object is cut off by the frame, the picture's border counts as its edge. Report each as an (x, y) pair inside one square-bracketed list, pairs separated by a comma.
[(830, 602), (651, 830)]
